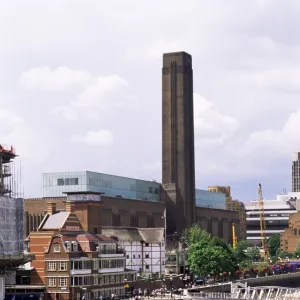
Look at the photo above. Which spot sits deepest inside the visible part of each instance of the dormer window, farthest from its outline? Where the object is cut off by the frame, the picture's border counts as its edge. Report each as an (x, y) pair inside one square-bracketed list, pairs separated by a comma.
[(75, 246), (56, 248), (68, 246)]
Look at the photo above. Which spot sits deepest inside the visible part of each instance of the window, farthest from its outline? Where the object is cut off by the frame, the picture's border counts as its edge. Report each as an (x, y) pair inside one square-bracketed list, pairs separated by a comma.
[(52, 282), (62, 266), (133, 256), (150, 189), (127, 256), (62, 281), (156, 191), (95, 230), (51, 266), (56, 248), (75, 246), (139, 256), (147, 267), (147, 245), (147, 256), (67, 181)]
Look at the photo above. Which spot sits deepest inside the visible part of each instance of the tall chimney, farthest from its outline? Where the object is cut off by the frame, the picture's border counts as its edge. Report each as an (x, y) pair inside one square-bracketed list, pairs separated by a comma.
[(69, 206), (51, 208)]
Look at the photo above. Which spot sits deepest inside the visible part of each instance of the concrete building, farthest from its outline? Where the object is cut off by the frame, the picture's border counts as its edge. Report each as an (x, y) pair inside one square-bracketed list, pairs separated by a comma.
[(71, 264), (296, 172), (235, 205), (145, 248), (277, 213), (178, 159)]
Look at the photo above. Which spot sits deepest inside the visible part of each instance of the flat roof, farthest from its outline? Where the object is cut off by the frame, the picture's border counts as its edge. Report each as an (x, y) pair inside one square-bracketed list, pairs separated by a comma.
[(83, 193)]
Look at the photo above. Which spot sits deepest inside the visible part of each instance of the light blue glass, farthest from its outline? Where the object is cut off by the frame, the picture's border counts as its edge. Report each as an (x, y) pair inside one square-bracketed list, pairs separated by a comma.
[(210, 199), (55, 184)]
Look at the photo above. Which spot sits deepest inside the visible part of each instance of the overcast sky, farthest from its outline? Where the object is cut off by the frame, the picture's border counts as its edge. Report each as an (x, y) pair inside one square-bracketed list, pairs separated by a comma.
[(80, 87)]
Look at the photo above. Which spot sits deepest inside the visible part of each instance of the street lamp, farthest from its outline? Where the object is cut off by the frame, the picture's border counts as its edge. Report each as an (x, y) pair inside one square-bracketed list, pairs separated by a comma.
[(171, 280)]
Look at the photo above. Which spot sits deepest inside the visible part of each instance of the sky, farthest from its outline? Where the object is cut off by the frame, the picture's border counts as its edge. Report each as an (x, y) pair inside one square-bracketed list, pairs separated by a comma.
[(80, 88)]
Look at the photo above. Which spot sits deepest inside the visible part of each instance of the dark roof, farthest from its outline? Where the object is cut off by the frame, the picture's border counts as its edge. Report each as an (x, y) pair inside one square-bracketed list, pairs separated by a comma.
[(132, 234), (82, 193)]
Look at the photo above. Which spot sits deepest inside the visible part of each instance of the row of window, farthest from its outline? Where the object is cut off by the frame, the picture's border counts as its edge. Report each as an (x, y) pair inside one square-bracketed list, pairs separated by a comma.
[(139, 256), (62, 266), (99, 280), (86, 265), (58, 281), (67, 181)]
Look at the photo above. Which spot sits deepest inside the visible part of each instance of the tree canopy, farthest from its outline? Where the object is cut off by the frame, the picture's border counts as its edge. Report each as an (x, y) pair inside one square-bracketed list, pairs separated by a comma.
[(274, 244), (208, 255), (297, 251)]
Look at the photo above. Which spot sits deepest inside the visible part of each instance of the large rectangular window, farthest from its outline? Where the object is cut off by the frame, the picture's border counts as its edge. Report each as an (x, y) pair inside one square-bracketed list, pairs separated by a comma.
[(67, 181)]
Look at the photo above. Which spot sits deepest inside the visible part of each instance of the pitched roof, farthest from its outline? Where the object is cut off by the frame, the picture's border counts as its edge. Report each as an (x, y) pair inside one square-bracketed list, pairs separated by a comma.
[(132, 234), (56, 221)]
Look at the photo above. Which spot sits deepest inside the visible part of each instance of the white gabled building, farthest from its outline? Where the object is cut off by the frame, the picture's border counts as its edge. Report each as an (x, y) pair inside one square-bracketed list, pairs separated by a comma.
[(145, 247)]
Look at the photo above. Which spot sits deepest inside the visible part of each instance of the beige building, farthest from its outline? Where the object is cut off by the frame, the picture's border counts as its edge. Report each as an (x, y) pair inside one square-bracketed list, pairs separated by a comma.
[(234, 205), (290, 237)]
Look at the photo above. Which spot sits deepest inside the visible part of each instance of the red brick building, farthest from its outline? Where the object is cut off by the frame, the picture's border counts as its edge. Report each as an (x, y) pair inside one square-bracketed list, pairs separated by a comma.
[(71, 263)]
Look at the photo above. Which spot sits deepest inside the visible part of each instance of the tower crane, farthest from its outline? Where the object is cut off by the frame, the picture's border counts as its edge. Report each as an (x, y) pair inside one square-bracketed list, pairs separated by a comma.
[(262, 222)]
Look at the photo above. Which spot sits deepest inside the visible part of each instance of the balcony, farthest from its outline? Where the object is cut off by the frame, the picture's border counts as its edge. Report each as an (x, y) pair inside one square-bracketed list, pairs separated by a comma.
[(110, 270)]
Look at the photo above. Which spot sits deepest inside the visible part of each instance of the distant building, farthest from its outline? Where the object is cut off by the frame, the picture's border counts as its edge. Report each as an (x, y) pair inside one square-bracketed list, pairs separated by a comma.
[(290, 237), (56, 184), (296, 172), (234, 205), (71, 264), (276, 213), (145, 248)]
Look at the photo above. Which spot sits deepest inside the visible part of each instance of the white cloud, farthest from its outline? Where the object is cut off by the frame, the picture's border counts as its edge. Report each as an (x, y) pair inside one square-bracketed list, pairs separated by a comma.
[(246, 68), (211, 126), (94, 138), (59, 79), (107, 92)]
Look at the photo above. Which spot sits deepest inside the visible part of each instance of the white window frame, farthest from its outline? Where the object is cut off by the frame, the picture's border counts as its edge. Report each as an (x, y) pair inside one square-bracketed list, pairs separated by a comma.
[(56, 248), (52, 282), (62, 281), (51, 266), (62, 266)]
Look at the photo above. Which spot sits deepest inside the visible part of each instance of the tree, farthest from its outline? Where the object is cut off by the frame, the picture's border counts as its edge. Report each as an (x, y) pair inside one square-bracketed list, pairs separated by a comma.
[(274, 244), (209, 260), (297, 251), (240, 250), (195, 234), (253, 254)]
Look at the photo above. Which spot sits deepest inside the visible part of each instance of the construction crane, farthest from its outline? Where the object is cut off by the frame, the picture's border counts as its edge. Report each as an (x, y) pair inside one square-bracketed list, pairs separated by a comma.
[(263, 228), (234, 237)]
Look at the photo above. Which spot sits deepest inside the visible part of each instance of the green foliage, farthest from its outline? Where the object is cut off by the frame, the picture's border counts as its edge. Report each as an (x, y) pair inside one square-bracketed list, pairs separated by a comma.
[(195, 234), (297, 251), (274, 244), (209, 260), (285, 255), (253, 254), (208, 255), (240, 250)]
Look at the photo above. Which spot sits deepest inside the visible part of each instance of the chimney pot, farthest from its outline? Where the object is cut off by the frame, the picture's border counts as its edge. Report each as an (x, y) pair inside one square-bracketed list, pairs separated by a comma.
[(51, 208)]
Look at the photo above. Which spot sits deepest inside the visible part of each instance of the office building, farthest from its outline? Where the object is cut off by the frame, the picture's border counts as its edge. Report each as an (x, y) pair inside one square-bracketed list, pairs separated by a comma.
[(178, 159), (144, 247), (296, 172), (276, 213)]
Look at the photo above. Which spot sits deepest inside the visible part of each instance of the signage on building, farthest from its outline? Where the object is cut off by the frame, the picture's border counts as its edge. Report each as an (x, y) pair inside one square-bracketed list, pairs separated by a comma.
[(72, 228), (84, 197)]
